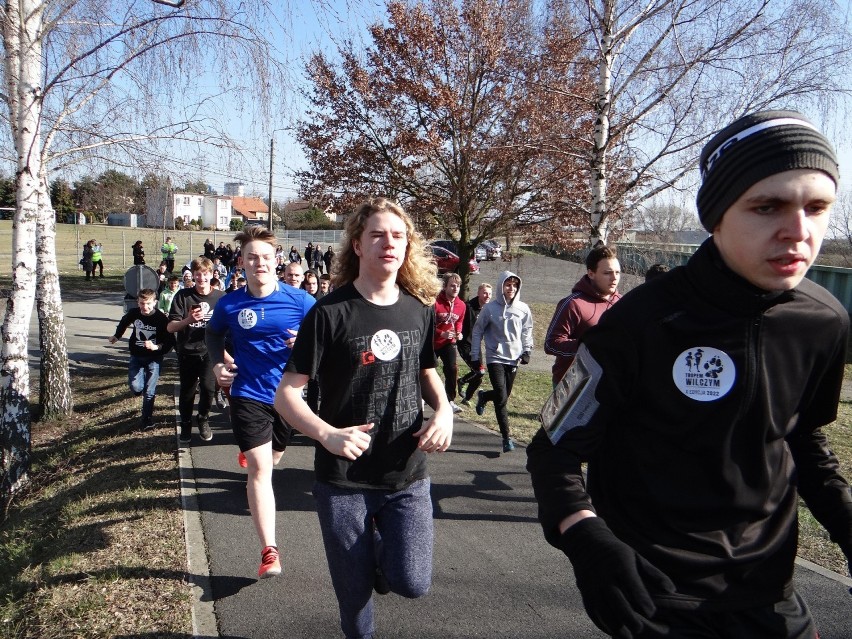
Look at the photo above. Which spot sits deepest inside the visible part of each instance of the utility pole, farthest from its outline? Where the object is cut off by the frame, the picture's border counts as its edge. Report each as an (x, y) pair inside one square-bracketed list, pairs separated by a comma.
[(271, 149)]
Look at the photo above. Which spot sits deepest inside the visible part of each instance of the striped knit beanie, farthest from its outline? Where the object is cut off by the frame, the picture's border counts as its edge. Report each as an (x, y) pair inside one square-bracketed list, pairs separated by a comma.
[(753, 148)]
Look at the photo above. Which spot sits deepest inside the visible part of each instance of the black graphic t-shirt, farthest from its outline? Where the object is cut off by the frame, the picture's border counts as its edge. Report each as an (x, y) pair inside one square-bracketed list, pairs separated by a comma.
[(190, 340), (146, 328), (367, 359)]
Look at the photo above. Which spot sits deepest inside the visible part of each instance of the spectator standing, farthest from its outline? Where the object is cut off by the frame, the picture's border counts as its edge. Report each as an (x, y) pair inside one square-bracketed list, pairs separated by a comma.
[(317, 259), (209, 249), (221, 252), (449, 318), (228, 259), (325, 284), (309, 255), (97, 258), (473, 379), (86, 260), (169, 251), (372, 485), (293, 255), (260, 323), (699, 404), (149, 342), (191, 310), (138, 253), (328, 258), (505, 324), (593, 294)]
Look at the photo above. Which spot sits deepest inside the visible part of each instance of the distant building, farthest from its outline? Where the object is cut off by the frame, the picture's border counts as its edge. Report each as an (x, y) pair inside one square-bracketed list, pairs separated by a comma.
[(163, 207), (123, 219), (299, 206), (235, 188), (249, 209)]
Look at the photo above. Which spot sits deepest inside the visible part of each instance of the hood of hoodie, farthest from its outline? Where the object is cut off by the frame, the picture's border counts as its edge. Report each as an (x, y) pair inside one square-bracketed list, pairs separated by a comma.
[(499, 297)]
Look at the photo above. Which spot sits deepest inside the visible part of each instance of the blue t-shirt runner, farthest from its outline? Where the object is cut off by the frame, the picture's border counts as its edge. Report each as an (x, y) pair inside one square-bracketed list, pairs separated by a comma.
[(258, 329)]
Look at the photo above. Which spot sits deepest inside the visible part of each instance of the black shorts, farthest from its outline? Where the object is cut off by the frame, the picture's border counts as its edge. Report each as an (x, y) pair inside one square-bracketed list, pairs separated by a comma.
[(255, 423)]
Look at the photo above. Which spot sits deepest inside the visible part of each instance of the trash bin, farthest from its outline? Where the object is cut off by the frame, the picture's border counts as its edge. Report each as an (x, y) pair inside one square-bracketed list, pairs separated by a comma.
[(136, 278)]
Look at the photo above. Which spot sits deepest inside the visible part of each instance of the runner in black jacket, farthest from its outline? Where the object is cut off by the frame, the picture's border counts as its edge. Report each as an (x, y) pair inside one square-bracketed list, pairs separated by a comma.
[(699, 403)]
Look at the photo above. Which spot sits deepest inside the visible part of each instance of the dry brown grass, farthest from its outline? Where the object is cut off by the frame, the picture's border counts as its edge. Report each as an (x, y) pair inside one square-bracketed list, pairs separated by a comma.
[(94, 547)]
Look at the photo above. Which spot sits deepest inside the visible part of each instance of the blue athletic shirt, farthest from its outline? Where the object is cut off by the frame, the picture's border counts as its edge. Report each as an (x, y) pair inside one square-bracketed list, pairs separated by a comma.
[(257, 328)]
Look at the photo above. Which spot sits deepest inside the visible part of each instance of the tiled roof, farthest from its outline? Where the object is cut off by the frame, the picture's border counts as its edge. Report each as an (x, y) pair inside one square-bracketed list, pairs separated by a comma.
[(248, 207)]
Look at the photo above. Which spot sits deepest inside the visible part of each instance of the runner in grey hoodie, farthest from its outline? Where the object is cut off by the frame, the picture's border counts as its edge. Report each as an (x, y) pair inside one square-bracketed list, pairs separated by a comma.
[(505, 323)]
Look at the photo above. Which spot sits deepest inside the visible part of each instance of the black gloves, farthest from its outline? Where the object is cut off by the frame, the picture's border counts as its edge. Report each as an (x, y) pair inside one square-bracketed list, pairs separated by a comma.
[(614, 580), (525, 357)]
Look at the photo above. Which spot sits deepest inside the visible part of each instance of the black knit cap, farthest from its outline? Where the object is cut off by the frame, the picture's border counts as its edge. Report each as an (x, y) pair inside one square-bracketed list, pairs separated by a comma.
[(753, 148)]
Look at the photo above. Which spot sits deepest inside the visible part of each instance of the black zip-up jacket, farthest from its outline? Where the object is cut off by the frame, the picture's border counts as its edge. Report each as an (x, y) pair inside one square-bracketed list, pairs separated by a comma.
[(711, 398)]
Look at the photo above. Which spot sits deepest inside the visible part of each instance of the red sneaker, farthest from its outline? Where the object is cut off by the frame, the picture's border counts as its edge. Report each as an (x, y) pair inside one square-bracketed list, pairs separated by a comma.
[(270, 565), (241, 460)]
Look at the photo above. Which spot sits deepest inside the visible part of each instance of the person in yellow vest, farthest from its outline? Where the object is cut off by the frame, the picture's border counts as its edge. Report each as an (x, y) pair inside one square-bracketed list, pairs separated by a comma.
[(97, 258), (169, 250)]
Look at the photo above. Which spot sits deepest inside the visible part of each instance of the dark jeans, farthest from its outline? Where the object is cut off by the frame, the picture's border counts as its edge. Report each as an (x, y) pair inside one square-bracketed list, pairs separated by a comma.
[(193, 369), (98, 265), (502, 378), (447, 355), (473, 379), (365, 528), (143, 374)]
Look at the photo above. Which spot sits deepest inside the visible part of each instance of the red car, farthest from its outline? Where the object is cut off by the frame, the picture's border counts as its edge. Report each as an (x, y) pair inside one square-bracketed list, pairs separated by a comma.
[(448, 262)]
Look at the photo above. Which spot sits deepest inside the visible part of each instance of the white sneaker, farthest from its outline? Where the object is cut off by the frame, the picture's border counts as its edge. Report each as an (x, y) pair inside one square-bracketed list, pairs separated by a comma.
[(456, 408)]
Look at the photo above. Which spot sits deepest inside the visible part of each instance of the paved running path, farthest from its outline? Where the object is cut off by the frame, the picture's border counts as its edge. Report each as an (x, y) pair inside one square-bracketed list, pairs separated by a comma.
[(494, 574)]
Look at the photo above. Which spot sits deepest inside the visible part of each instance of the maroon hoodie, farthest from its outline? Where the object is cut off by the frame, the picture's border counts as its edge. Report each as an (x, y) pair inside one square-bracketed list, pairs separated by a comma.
[(574, 315)]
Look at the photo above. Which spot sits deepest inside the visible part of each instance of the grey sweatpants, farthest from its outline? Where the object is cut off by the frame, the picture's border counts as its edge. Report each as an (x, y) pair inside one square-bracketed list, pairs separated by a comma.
[(365, 528)]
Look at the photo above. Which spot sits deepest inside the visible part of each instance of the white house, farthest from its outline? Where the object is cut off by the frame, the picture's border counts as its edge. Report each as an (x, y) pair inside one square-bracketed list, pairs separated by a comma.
[(163, 207)]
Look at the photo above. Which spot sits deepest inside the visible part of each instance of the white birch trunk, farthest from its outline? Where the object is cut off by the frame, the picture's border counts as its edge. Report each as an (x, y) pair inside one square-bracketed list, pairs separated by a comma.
[(22, 36), (55, 382), (603, 104)]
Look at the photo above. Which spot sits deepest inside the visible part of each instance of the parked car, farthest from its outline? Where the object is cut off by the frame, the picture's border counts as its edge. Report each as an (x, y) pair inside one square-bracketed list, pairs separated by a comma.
[(480, 252), (491, 249), (450, 245), (448, 262)]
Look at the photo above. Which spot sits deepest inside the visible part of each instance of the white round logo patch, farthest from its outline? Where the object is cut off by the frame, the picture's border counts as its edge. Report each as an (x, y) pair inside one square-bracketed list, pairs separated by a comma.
[(247, 318), (385, 345), (703, 373)]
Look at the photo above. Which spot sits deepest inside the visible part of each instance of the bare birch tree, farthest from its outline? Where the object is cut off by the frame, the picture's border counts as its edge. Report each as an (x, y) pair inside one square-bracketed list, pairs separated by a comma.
[(670, 72), (82, 79)]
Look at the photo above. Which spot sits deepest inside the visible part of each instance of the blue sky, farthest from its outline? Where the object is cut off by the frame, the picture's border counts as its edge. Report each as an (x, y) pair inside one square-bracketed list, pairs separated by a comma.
[(309, 25)]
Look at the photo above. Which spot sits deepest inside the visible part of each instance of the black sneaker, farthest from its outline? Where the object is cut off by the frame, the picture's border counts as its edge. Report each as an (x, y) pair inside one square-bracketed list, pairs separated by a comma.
[(147, 425), (480, 402), (460, 387), (508, 445), (185, 432), (204, 429)]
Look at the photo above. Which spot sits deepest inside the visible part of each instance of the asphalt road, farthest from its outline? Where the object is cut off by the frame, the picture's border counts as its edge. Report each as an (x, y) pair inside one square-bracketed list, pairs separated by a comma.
[(494, 574)]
